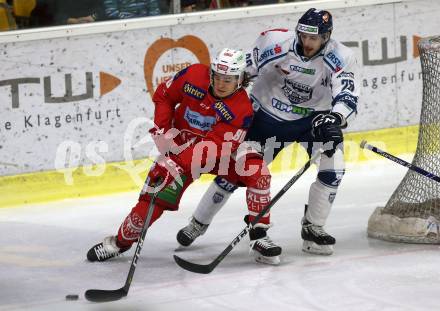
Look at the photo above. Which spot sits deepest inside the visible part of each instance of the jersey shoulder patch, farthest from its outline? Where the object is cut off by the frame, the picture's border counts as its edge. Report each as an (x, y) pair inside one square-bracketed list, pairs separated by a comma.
[(271, 45), (334, 60)]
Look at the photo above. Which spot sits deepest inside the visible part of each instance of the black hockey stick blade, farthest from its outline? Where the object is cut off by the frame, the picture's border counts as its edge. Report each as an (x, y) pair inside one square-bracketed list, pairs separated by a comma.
[(205, 269), (194, 267), (102, 295)]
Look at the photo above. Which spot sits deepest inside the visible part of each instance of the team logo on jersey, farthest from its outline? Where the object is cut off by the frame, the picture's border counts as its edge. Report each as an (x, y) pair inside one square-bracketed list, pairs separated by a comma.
[(193, 91), (307, 71), (269, 52), (217, 197), (223, 111), (296, 92), (333, 61), (198, 121), (290, 108)]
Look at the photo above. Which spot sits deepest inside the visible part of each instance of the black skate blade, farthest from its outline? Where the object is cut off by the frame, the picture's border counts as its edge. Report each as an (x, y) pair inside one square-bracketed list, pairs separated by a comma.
[(102, 295), (194, 267)]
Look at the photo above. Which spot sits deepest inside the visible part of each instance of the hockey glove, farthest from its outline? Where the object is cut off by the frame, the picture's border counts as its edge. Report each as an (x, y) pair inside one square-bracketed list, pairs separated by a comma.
[(164, 172), (164, 140), (326, 128)]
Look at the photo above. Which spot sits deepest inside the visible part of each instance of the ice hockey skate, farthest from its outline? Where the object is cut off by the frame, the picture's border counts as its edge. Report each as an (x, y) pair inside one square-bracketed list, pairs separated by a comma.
[(105, 250), (262, 247), (316, 240), (192, 231)]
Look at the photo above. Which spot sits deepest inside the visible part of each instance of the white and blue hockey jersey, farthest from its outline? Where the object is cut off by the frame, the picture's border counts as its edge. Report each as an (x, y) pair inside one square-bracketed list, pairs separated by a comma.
[(289, 87)]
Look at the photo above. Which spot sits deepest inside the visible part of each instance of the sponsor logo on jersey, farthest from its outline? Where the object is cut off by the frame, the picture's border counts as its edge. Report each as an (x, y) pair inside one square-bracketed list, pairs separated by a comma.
[(270, 51), (307, 71), (308, 29), (198, 121), (290, 108), (333, 61), (193, 91), (296, 92), (223, 111)]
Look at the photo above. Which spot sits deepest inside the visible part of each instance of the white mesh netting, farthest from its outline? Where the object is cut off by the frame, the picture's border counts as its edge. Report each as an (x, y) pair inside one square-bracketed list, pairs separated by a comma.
[(412, 214)]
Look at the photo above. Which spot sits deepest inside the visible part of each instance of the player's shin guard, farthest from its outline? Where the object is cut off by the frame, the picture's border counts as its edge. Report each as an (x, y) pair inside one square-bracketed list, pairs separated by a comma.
[(316, 240), (262, 248), (131, 228), (213, 200)]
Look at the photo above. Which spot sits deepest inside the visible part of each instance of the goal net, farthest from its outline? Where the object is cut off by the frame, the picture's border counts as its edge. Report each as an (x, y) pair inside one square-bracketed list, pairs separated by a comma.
[(412, 214)]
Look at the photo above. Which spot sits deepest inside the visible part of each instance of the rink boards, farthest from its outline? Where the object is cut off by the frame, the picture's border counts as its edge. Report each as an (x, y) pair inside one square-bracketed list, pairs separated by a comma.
[(76, 100)]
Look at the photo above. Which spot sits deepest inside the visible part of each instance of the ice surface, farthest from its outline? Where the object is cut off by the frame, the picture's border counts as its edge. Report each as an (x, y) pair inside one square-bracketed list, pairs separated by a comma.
[(43, 248)]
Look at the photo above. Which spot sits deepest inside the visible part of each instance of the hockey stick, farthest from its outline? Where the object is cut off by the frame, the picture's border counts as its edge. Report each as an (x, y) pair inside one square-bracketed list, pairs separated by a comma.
[(205, 269), (102, 295), (412, 167)]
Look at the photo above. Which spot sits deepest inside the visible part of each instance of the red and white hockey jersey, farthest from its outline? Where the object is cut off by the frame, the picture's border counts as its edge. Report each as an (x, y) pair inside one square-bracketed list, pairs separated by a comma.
[(185, 103)]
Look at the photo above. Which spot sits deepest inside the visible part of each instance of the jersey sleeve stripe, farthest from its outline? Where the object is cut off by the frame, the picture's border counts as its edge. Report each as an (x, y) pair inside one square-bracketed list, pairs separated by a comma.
[(270, 60)]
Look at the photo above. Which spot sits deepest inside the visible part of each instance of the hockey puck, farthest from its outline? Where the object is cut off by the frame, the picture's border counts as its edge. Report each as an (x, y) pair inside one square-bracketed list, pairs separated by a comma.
[(72, 297)]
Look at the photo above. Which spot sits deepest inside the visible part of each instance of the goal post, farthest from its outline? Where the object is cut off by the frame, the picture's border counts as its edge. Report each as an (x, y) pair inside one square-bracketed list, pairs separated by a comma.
[(412, 214)]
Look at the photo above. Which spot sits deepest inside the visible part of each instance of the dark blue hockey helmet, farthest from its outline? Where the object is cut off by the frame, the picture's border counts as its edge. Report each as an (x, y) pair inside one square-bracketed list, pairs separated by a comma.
[(316, 22)]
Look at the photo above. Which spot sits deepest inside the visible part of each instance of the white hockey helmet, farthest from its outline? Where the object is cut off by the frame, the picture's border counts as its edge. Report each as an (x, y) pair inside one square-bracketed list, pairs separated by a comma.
[(231, 63)]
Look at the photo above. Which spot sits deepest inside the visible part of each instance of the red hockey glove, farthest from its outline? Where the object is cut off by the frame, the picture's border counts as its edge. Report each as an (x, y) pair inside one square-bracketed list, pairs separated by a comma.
[(164, 172), (164, 140)]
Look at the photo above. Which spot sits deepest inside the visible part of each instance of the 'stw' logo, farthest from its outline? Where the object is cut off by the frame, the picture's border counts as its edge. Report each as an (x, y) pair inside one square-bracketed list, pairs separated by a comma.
[(108, 82)]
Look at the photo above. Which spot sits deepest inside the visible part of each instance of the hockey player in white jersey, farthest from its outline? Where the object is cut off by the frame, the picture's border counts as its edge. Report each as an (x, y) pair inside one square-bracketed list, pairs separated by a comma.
[(304, 91)]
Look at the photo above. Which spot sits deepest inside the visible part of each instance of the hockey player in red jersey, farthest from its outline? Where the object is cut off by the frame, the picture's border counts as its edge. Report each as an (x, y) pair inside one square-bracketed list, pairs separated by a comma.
[(305, 90), (201, 118)]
